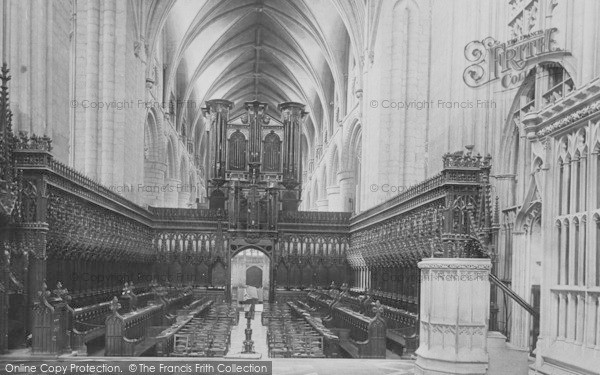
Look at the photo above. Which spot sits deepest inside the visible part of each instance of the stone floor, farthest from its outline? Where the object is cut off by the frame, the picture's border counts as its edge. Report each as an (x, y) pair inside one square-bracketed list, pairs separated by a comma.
[(259, 336), (281, 366), (342, 367), (306, 366)]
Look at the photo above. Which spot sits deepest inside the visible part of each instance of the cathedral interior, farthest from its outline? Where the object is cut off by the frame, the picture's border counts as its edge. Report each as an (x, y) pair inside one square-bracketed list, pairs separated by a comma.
[(307, 183)]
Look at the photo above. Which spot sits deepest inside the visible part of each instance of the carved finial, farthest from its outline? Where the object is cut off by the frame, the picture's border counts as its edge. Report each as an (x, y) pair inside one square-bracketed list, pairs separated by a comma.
[(378, 309), (61, 294), (497, 212), (43, 294), (115, 305), (5, 76)]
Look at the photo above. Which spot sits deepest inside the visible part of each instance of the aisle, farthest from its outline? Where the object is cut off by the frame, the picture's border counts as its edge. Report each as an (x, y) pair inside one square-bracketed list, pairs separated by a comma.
[(259, 335)]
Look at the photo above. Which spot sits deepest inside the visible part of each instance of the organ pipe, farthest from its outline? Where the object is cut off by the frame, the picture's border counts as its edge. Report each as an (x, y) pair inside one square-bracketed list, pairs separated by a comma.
[(257, 116), (218, 114), (292, 115)]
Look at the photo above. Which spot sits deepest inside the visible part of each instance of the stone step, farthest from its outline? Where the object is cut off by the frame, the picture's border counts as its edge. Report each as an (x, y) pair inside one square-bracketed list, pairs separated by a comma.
[(505, 359)]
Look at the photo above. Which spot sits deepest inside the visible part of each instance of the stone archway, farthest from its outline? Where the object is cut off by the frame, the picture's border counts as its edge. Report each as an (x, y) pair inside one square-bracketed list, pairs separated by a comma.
[(250, 267)]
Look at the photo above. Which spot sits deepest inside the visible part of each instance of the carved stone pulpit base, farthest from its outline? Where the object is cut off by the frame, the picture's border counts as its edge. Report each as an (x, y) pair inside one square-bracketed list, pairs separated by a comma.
[(455, 300)]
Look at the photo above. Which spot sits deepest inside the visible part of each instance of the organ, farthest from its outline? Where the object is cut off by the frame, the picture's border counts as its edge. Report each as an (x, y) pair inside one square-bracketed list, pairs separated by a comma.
[(255, 162)]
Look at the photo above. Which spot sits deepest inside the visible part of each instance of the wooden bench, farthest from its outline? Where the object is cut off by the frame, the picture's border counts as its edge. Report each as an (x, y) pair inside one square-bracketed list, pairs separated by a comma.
[(350, 348), (165, 341), (208, 335), (131, 301), (88, 325), (402, 325), (89, 321), (292, 332), (331, 342), (366, 336), (403, 328), (130, 334)]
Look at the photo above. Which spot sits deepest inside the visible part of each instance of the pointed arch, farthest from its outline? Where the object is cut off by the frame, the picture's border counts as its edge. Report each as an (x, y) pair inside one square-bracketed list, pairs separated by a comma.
[(334, 166)]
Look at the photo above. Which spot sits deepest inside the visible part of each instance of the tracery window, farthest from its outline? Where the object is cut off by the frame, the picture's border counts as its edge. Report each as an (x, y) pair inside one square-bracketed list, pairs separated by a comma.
[(573, 251), (545, 84), (523, 17), (557, 83)]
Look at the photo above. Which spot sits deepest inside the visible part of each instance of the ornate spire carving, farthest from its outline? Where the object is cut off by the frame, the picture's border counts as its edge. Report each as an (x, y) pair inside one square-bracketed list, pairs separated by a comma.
[(43, 295), (378, 309), (115, 306), (8, 144)]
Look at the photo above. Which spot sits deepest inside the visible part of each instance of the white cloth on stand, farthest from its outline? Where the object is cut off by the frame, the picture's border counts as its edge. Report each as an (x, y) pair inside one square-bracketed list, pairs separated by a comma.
[(250, 293)]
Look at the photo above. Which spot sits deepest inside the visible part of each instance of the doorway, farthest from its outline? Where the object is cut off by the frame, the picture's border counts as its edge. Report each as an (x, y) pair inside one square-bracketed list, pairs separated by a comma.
[(250, 273)]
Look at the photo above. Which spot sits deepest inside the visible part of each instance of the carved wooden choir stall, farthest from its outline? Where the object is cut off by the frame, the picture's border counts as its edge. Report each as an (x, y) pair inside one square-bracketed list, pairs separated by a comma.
[(57, 225)]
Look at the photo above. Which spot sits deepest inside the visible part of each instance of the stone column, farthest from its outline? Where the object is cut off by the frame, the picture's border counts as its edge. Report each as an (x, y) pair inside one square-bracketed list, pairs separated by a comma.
[(455, 301), (519, 332), (171, 194), (184, 195), (347, 190), (322, 205), (334, 198), (154, 172), (363, 279)]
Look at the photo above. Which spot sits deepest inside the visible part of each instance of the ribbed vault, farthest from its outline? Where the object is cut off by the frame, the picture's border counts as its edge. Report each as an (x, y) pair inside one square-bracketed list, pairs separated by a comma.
[(269, 50)]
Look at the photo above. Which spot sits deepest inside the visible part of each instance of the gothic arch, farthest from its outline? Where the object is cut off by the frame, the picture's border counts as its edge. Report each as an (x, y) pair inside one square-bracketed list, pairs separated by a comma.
[(351, 144), (251, 247), (510, 136), (154, 159), (528, 216), (334, 165), (151, 137), (157, 16), (234, 18)]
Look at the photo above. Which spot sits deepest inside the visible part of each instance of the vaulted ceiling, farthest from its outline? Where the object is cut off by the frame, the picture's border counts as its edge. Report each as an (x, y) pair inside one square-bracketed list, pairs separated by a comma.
[(268, 50)]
